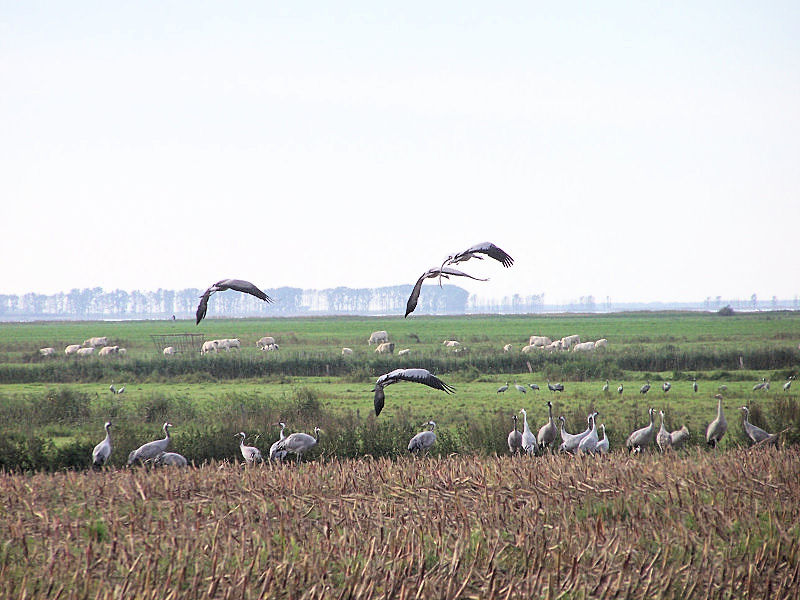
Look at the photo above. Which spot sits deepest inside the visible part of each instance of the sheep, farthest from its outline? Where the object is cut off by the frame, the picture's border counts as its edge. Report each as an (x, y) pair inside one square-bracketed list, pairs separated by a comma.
[(553, 346), (47, 351), (528, 349), (106, 350), (265, 341), (583, 347), (209, 346), (94, 342), (403, 352), (347, 351), (451, 343), (169, 350), (539, 340), (85, 351), (385, 348), (378, 337), (271, 347), (72, 349), (122, 351), (601, 343), (507, 348), (229, 344), (568, 341)]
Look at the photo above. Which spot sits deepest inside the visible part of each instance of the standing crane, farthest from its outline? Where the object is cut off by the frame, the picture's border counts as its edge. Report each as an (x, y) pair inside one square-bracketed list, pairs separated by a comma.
[(170, 459), (788, 384), (238, 285), (502, 389), (151, 450), (678, 437), (645, 388), (760, 385), (717, 428), (102, 451), (621, 388), (666, 386), (570, 441), (589, 442), (555, 387), (515, 438), (547, 432), (694, 384), (755, 433), (251, 454), (534, 387), (275, 452), (602, 443), (422, 376), (641, 438), (605, 387), (520, 388), (528, 439), (423, 440), (298, 443), (663, 438)]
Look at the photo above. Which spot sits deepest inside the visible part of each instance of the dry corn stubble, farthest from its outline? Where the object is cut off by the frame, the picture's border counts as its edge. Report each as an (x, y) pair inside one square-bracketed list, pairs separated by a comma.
[(694, 525)]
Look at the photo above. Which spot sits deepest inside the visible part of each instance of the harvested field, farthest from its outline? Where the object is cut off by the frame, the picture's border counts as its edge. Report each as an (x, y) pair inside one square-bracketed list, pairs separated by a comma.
[(696, 525)]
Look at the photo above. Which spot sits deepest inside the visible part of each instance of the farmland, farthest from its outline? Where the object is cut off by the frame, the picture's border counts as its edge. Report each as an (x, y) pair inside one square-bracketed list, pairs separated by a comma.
[(359, 518)]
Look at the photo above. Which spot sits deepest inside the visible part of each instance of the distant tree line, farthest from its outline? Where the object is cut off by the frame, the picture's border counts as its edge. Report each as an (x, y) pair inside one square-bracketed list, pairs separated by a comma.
[(96, 303)]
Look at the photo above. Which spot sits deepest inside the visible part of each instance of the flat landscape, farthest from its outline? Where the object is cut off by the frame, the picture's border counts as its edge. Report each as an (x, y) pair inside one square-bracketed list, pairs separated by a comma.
[(360, 518)]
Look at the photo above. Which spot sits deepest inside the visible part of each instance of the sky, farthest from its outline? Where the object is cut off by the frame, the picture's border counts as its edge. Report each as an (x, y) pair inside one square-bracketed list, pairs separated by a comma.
[(626, 150)]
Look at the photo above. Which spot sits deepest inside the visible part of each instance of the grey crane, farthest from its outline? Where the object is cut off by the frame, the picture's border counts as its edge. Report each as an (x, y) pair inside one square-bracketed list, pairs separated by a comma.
[(722, 388), (528, 439), (678, 437), (423, 440), (621, 388), (515, 438), (275, 452), (694, 384), (440, 272), (502, 389), (717, 428), (555, 387), (298, 443), (641, 438), (547, 432), (152, 449), (755, 433), (520, 388), (760, 385), (666, 386), (570, 441), (663, 439), (422, 376), (645, 388), (114, 390), (534, 387), (487, 248), (170, 459), (251, 454), (589, 442), (788, 384), (602, 443), (605, 387), (238, 285), (102, 451)]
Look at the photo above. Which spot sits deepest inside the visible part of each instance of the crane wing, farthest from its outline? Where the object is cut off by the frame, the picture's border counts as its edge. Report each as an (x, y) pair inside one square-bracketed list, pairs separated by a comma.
[(240, 285), (425, 377), (457, 273), (487, 248), (414, 297), (203, 306)]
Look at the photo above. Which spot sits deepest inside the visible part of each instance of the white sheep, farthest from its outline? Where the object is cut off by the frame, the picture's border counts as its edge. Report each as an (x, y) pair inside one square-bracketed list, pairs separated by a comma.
[(378, 337), (385, 348), (507, 348), (539, 341), (47, 351), (95, 342), (72, 349), (601, 343), (105, 351), (583, 347), (265, 341), (347, 351), (568, 341), (451, 343), (169, 350), (209, 346), (403, 352), (85, 351)]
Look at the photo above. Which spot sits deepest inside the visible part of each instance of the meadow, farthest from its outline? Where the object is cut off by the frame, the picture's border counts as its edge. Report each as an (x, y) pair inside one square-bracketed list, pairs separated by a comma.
[(358, 517)]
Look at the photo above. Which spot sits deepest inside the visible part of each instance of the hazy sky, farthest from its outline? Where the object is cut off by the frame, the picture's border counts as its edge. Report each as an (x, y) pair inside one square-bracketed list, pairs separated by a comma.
[(636, 150)]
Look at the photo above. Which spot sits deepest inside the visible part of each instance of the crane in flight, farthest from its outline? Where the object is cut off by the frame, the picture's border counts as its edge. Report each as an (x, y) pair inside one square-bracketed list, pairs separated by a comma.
[(439, 272), (413, 375), (238, 285)]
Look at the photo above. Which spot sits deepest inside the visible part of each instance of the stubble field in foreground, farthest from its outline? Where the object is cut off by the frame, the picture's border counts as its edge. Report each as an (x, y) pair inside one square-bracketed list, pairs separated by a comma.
[(678, 526)]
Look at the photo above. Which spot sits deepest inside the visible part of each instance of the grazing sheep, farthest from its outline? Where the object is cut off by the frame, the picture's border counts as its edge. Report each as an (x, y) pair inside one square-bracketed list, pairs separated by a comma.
[(95, 342), (385, 348), (85, 351), (601, 343), (47, 351), (378, 337), (265, 341), (122, 351), (347, 351), (403, 352), (209, 346), (507, 348), (553, 346), (539, 341), (583, 347), (229, 344), (568, 341), (169, 350), (107, 350), (451, 343), (72, 349), (528, 349)]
